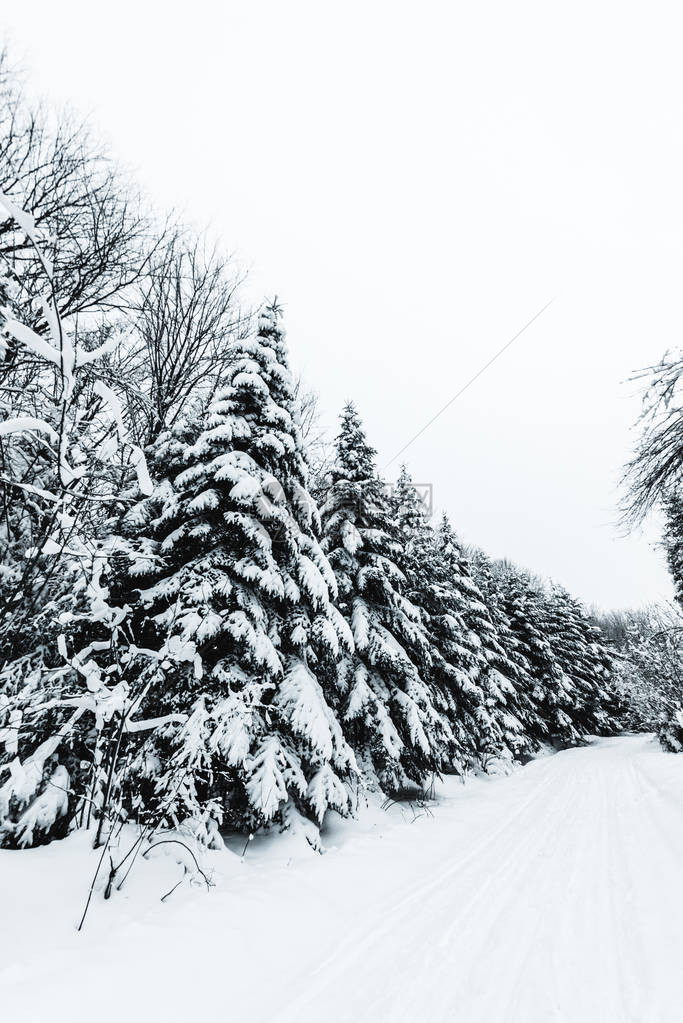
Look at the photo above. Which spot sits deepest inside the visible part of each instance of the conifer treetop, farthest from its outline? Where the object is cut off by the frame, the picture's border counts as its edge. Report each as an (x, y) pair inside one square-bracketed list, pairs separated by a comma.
[(355, 459)]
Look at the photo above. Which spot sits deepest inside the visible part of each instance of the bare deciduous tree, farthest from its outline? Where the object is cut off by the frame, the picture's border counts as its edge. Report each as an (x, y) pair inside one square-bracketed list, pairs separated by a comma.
[(101, 239), (657, 465), (319, 447), (184, 317)]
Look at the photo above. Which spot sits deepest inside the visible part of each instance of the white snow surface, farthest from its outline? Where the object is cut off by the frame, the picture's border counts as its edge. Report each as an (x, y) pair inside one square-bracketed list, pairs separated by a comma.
[(551, 894)]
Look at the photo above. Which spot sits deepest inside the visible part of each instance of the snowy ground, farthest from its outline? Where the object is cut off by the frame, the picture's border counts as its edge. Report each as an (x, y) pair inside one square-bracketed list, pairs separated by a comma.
[(553, 894)]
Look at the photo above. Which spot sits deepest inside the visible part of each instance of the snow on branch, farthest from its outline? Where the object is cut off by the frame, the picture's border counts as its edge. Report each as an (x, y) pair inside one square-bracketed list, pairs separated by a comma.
[(58, 351)]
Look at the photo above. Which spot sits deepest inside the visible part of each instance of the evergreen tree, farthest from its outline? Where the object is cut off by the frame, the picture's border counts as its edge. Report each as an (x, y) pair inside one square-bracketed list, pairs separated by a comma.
[(235, 593), (498, 732), (584, 661), (673, 539), (430, 589), (528, 613), (387, 707), (518, 710)]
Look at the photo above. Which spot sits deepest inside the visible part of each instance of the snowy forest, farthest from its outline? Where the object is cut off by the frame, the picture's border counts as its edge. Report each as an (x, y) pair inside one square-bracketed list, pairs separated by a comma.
[(212, 618)]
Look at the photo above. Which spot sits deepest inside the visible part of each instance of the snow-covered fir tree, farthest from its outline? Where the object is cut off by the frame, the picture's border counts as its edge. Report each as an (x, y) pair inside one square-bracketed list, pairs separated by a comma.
[(499, 731), (673, 539), (430, 590), (228, 581), (584, 660), (518, 712), (534, 625), (570, 665), (387, 706)]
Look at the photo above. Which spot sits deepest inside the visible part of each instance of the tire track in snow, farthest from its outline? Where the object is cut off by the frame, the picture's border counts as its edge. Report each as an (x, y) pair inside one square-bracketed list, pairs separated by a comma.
[(537, 883), (357, 946), (437, 973)]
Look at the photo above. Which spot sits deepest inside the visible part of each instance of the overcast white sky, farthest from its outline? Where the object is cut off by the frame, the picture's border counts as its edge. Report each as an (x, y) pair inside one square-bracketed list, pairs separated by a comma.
[(415, 181)]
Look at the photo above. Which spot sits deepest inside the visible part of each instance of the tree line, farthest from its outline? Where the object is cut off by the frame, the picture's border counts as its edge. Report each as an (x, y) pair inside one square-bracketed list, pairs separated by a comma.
[(205, 625)]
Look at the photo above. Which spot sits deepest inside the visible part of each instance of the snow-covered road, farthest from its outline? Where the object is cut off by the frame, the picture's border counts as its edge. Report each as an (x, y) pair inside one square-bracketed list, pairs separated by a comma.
[(553, 894)]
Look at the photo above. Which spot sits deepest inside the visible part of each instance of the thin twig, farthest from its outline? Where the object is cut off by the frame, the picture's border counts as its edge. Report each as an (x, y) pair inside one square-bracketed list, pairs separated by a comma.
[(177, 841)]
